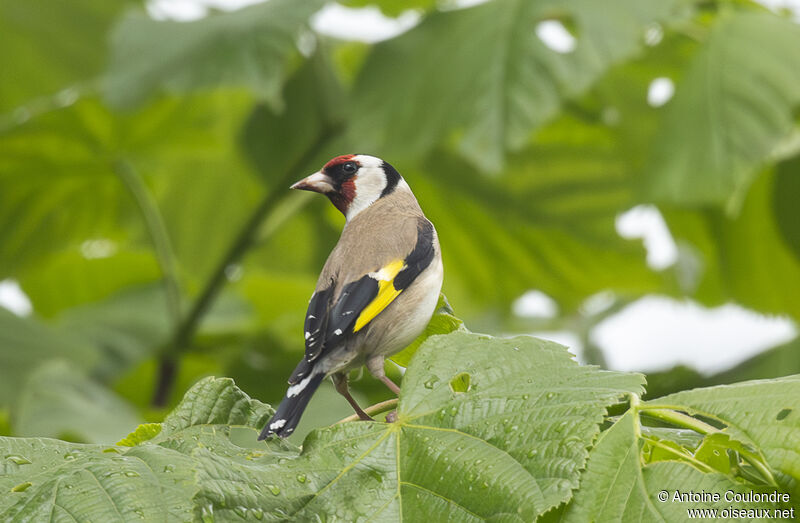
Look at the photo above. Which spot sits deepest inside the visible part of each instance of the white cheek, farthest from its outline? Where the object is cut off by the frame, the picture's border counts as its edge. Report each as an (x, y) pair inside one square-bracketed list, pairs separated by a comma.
[(369, 187)]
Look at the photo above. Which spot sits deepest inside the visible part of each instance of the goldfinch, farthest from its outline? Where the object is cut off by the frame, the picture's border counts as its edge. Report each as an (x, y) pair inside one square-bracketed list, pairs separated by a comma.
[(377, 290)]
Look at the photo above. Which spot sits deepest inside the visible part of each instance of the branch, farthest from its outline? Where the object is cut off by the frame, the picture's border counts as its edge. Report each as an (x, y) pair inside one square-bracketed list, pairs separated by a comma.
[(372, 409), (186, 330), (158, 235)]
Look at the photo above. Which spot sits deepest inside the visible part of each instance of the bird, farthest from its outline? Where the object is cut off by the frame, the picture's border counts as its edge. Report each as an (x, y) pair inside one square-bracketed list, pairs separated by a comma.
[(377, 290)]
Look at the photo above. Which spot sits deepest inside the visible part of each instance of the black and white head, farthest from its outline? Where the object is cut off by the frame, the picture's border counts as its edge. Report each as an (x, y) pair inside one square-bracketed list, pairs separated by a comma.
[(353, 182)]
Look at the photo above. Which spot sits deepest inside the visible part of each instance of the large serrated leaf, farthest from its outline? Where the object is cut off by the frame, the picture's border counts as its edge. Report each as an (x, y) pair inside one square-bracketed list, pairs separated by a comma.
[(510, 446), (764, 413), (251, 47), (738, 94), (484, 71), (617, 486)]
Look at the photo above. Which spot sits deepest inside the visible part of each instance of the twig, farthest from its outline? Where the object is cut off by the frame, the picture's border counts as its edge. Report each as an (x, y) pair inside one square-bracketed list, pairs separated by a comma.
[(158, 235), (372, 409)]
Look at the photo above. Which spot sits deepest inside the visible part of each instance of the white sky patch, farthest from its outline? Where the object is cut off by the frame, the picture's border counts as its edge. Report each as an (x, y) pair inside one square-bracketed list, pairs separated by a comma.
[(555, 36), (646, 222), (660, 91), (13, 298), (657, 333), (535, 304), (777, 5), (653, 34), (597, 303), (367, 24), (188, 10), (98, 248)]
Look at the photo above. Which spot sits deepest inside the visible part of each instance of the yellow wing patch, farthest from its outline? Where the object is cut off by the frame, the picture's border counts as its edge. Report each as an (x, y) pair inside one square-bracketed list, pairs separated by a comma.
[(386, 293)]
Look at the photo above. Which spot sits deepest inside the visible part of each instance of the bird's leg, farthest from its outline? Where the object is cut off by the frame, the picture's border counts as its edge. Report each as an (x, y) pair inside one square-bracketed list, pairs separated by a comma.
[(340, 382), (375, 367)]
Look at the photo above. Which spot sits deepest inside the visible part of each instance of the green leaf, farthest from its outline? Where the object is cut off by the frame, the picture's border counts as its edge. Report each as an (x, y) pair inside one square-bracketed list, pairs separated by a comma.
[(252, 47), (617, 486), (744, 258), (33, 67), (69, 278), (55, 481), (511, 446), (60, 401), (144, 432), (764, 414), (715, 449), (483, 71), (442, 322), (738, 94), (27, 343)]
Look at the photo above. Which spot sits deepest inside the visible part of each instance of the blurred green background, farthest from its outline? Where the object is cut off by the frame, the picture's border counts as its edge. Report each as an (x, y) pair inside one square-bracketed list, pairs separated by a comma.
[(145, 162)]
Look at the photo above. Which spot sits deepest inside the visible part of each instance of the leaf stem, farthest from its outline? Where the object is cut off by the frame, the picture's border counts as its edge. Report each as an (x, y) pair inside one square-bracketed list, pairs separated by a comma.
[(157, 231), (372, 409), (679, 419), (688, 457), (185, 331)]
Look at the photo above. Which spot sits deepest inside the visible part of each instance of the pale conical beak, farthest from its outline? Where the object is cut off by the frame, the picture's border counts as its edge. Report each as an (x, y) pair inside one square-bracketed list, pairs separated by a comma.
[(317, 182)]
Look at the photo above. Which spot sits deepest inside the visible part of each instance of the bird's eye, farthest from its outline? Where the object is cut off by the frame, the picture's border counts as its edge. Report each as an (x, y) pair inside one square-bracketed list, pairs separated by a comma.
[(349, 167)]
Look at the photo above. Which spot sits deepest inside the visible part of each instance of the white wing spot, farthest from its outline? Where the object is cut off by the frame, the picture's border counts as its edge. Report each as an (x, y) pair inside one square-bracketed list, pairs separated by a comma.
[(294, 390), (308, 334), (275, 425), (312, 317), (338, 332)]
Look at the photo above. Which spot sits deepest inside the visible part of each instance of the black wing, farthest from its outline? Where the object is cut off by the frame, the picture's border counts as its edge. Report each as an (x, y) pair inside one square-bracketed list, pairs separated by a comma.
[(328, 324)]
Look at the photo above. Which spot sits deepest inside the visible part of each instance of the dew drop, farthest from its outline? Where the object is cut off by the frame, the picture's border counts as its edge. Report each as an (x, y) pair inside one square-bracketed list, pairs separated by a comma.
[(532, 453), (19, 460), (431, 382), (550, 395), (169, 468), (22, 487), (274, 489), (241, 512), (132, 474), (301, 478), (257, 513), (526, 396), (207, 513)]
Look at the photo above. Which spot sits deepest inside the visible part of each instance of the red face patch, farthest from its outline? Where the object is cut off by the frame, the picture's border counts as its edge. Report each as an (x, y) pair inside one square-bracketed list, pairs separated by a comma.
[(339, 160)]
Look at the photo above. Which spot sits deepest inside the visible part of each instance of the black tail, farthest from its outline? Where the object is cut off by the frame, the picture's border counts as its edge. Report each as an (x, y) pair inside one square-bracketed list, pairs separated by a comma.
[(289, 412)]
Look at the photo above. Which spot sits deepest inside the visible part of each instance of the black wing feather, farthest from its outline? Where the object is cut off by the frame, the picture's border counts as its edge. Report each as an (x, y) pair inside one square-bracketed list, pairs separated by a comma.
[(328, 324)]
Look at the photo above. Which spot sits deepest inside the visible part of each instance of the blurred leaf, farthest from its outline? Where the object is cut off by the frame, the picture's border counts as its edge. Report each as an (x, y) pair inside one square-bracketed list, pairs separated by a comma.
[(252, 47), (59, 400), (617, 486), (127, 327), (315, 106), (69, 278), (548, 224), (58, 187), (785, 193), (33, 65), (27, 343), (485, 71), (744, 259), (442, 322), (765, 414), (731, 110)]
